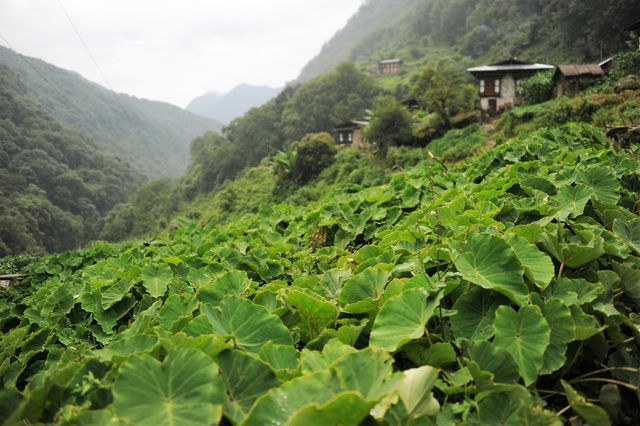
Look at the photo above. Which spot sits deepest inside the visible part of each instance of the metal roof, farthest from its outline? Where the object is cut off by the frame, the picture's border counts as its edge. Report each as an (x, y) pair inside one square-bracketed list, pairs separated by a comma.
[(390, 61), (593, 70), (607, 61), (507, 68)]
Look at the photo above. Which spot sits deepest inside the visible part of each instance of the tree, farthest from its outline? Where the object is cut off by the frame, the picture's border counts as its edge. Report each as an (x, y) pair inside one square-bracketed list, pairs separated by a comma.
[(537, 88), (315, 152), (445, 90), (391, 125), (322, 103)]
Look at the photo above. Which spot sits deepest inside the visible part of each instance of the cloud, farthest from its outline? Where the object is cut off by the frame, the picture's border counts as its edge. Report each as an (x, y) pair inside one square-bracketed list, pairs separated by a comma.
[(176, 50)]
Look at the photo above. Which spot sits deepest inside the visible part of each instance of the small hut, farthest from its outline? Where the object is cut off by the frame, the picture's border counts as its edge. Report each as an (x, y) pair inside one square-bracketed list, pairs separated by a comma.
[(350, 132), (570, 79), (389, 66)]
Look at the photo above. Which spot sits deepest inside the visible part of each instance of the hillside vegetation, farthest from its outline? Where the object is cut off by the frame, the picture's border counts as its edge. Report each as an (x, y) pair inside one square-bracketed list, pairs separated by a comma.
[(484, 31), (56, 186), (153, 136), (503, 290)]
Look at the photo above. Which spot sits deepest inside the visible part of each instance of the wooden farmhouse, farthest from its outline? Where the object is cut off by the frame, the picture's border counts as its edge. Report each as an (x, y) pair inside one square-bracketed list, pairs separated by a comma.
[(350, 132), (570, 79), (389, 66), (498, 83)]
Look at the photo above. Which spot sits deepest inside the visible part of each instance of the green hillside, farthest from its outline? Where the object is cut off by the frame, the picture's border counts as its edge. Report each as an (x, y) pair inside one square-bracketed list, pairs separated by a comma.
[(502, 289), (56, 185), (483, 31), (153, 136)]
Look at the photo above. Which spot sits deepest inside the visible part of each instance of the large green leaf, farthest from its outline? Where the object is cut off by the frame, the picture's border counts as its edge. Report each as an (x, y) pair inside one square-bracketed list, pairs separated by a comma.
[(315, 311), (629, 231), (245, 379), (185, 389), (249, 325), (156, 279), (403, 318), (593, 414), (495, 360), (571, 200), (232, 282), (362, 292), (537, 265), (490, 262), (559, 318), (280, 404), (475, 311), (525, 335), (346, 408), (602, 181), (415, 391)]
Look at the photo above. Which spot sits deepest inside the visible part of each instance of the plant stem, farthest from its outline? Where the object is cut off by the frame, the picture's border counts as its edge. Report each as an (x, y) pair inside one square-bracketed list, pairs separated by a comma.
[(599, 379), (607, 369)]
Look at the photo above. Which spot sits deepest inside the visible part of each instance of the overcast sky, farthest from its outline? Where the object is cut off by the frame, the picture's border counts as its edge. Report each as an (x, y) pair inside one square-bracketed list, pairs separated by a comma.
[(175, 50)]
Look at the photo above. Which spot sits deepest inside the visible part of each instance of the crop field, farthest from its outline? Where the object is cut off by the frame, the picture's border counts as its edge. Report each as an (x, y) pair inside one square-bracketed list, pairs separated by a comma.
[(503, 290)]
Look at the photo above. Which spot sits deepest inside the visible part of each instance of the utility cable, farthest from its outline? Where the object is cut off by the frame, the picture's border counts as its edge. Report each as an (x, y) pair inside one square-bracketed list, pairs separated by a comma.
[(93, 59)]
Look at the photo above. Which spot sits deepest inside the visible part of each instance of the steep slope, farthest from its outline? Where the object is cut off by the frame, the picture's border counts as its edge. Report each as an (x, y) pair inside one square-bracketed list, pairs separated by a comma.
[(231, 105), (485, 30), (372, 17), (501, 291), (55, 184), (153, 136)]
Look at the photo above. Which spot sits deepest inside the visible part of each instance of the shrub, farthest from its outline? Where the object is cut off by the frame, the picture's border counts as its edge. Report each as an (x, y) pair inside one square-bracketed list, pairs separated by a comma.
[(315, 152), (536, 89), (390, 126)]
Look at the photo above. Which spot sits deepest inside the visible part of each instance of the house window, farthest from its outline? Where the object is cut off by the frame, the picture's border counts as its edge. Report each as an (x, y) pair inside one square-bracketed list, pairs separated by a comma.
[(481, 86), (497, 86), (341, 137), (350, 137)]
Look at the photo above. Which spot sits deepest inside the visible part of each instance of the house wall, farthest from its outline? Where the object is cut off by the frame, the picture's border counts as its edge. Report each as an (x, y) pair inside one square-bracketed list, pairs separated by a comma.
[(507, 96), (358, 137)]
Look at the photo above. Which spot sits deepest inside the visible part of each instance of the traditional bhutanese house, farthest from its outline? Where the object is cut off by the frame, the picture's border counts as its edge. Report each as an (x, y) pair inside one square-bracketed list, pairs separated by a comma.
[(350, 132), (389, 66), (570, 79), (498, 83)]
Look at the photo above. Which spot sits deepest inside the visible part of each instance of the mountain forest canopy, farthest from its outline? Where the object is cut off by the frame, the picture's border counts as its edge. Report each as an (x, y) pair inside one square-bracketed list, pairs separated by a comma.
[(486, 30), (56, 185), (153, 136)]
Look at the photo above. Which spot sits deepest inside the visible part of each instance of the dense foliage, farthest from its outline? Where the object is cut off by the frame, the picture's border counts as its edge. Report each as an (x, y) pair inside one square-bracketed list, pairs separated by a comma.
[(600, 109), (536, 89), (391, 125), (153, 136), (316, 106), (445, 91), (314, 153), (504, 290), (548, 31), (56, 186)]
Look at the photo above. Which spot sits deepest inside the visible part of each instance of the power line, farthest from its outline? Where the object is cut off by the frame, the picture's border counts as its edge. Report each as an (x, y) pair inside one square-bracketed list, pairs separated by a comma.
[(93, 59), (34, 69)]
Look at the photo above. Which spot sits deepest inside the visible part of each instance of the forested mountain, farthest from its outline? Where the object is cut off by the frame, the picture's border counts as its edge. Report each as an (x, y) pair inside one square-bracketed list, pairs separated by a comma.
[(153, 136), (231, 105), (55, 184), (485, 30)]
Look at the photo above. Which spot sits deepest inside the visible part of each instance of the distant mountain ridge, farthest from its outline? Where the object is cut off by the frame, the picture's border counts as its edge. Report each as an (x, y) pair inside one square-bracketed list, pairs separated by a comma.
[(155, 137), (234, 104)]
